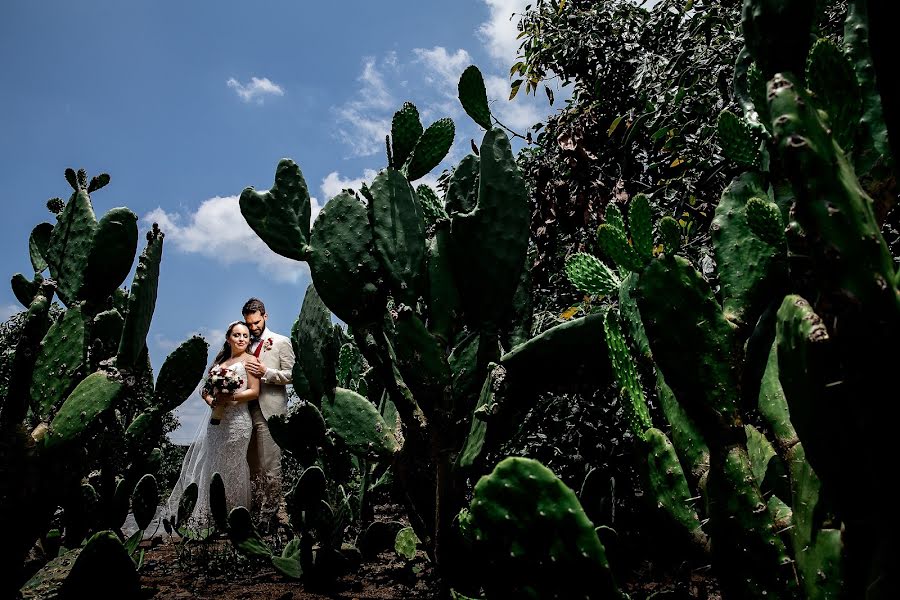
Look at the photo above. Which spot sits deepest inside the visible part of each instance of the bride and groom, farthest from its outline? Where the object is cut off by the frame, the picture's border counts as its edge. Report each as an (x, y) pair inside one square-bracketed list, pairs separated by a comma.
[(236, 442)]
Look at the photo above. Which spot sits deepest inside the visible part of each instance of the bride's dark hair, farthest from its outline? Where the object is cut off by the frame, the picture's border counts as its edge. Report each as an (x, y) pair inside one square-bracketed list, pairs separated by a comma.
[(225, 352)]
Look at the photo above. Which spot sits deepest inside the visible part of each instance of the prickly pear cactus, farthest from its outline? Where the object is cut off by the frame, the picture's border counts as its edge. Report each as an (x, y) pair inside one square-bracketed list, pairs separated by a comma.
[(534, 536), (280, 216)]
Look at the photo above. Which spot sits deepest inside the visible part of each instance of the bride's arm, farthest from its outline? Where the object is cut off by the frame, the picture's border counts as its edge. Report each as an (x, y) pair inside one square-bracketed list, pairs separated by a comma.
[(252, 391)]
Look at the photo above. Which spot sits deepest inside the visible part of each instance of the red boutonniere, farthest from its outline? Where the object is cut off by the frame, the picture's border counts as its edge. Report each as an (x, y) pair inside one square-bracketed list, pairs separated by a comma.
[(269, 343)]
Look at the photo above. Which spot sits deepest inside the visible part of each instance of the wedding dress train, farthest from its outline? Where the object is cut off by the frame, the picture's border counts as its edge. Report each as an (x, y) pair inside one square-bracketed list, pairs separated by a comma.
[(219, 449)]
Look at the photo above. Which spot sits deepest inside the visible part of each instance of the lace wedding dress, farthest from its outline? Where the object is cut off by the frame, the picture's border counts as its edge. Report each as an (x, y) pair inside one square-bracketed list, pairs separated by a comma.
[(219, 449)]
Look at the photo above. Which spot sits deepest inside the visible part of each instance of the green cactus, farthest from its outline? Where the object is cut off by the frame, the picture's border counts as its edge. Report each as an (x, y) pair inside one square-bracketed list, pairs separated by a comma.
[(218, 503), (243, 534), (534, 536), (613, 217), (462, 189), (831, 79), (490, 241), (60, 364), (473, 96), (443, 295), (614, 243), (871, 146), (280, 216), (94, 395), (70, 246), (430, 149), (357, 422), (668, 485), (640, 224), (38, 242), (113, 246), (398, 233), (144, 500), (141, 302), (626, 377), (344, 269), (406, 129), (764, 220), (179, 374), (776, 33), (591, 276), (24, 289), (748, 266), (670, 232), (431, 206), (314, 346), (737, 140)]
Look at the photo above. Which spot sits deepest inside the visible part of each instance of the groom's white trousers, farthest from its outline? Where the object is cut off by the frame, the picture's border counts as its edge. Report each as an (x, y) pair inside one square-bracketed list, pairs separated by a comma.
[(264, 457)]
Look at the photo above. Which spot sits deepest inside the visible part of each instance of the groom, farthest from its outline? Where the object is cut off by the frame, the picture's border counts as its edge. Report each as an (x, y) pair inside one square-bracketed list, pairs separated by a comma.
[(272, 359)]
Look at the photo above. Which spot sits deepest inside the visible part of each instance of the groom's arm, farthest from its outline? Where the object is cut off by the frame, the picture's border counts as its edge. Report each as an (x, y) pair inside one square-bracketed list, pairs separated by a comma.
[(286, 358)]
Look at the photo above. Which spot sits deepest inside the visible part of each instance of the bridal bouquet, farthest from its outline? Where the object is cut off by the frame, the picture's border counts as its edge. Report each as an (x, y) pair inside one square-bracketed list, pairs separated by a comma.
[(220, 379)]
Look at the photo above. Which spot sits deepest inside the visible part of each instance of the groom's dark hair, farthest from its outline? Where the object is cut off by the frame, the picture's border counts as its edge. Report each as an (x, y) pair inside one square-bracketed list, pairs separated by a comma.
[(253, 305)]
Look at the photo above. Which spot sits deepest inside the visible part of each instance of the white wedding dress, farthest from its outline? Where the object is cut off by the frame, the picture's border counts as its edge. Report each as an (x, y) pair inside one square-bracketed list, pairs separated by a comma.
[(219, 449)]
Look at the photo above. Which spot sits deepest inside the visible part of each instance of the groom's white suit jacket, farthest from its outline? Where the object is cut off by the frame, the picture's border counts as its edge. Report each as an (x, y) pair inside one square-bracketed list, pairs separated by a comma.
[(277, 355)]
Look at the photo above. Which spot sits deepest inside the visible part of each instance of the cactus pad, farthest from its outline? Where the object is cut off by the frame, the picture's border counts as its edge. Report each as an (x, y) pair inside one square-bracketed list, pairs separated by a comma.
[(91, 398), (70, 246), (244, 535), (490, 242), (748, 267), (406, 129), (344, 271), (280, 216), (112, 254), (432, 209), (398, 233), (737, 140), (535, 536), (431, 149), (668, 486), (24, 289), (218, 502), (473, 96), (180, 373), (591, 276), (764, 219), (831, 79), (60, 362), (38, 242), (640, 224), (625, 372), (314, 345), (614, 245), (358, 424), (145, 500), (141, 302), (462, 190)]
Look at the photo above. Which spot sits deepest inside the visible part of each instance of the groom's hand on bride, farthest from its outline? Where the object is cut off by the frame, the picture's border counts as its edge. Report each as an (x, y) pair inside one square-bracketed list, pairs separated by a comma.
[(254, 367)]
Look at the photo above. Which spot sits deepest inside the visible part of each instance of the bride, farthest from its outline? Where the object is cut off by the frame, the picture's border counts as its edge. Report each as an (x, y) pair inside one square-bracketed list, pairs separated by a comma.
[(222, 447)]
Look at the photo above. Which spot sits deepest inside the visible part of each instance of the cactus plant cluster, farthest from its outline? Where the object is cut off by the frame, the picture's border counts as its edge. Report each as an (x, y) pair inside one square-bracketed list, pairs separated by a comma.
[(86, 374), (805, 328), (426, 287)]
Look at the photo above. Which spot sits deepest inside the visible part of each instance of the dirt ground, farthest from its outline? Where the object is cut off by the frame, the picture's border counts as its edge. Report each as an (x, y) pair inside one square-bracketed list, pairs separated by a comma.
[(166, 576)]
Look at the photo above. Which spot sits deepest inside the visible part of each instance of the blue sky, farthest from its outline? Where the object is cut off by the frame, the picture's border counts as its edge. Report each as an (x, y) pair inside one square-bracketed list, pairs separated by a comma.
[(186, 103)]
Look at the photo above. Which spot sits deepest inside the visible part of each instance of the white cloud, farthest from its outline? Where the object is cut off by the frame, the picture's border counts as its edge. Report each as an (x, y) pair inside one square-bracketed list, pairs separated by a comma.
[(256, 90), (333, 183), (367, 119), (9, 310), (448, 67), (500, 30), (218, 230)]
